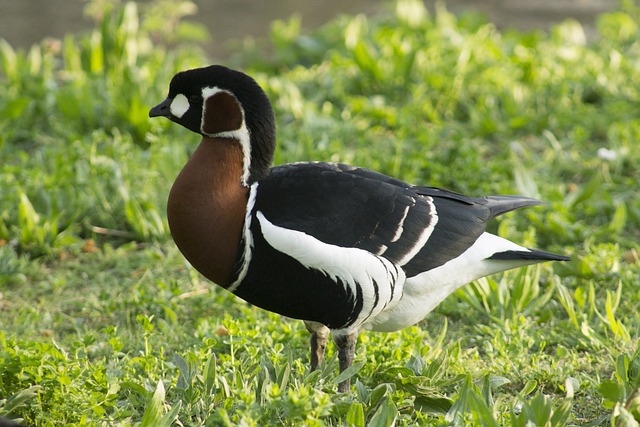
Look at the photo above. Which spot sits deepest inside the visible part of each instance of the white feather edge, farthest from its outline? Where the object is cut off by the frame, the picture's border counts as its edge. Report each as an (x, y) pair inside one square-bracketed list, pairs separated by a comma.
[(424, 291), (424, 236)]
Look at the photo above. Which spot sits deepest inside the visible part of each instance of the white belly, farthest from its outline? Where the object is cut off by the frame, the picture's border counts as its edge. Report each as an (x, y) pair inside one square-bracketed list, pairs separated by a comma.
[(423, 292)]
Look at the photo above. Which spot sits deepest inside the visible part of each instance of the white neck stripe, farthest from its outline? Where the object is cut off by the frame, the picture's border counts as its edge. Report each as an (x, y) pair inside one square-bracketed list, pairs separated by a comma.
[(242, 135), (248, 239)]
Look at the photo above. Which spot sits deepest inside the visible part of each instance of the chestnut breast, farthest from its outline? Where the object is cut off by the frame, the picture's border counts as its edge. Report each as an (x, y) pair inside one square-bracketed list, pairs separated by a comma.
[(206, 208)]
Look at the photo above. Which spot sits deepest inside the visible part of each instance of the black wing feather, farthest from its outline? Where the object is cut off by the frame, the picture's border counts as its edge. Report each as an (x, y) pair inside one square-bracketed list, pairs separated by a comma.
[(354, 207)]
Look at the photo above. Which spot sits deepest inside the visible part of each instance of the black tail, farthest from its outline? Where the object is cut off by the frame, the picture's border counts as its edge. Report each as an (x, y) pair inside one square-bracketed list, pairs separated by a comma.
[(532, 254), (497, 205), (502, 204)]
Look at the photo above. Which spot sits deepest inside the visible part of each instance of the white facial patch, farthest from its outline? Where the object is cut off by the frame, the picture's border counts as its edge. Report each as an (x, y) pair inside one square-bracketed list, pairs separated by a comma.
[(179, 105)]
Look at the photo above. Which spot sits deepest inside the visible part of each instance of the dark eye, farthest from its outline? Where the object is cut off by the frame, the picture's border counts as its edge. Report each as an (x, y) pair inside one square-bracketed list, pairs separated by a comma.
[(195, 99)]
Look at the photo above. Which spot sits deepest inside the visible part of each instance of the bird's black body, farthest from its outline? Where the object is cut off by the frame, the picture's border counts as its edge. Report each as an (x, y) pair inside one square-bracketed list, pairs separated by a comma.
[(335, 245)]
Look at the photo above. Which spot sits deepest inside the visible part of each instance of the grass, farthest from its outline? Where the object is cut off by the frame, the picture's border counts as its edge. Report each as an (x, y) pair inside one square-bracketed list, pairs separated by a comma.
[(104, 323)]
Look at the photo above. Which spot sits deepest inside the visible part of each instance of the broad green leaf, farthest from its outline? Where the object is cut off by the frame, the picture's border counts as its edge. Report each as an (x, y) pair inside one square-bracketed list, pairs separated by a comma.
[(155, 407), (433, 405), (385, 415), (184, 377), (529, 387), (481, 411), (209, 374), (355, 415), (349, 372), (377, 394), (20, 399)]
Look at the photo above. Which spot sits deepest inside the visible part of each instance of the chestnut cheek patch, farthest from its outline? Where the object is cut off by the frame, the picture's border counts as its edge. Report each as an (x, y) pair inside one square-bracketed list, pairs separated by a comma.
[(222, 113)]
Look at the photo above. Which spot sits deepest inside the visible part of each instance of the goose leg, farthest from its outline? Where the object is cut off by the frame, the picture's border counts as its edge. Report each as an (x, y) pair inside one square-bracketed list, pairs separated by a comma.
[(346, 352), (318, 342)]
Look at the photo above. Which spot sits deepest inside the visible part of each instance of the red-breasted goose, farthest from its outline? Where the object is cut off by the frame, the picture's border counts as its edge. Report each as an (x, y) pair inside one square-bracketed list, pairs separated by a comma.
[(342, 248)]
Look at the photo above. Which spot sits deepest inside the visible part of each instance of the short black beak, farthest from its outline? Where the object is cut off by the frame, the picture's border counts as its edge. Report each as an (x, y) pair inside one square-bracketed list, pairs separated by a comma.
[(162, 109)]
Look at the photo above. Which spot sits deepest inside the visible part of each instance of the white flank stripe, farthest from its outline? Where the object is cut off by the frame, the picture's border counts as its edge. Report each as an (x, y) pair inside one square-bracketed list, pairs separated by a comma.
[(248, 239), (400, 228), (424, 236), (353, 267), (241, 135)]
